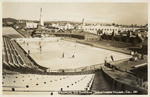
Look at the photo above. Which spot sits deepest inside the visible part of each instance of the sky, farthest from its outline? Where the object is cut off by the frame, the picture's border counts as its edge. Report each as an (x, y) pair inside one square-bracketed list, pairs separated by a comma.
[(92, 12)]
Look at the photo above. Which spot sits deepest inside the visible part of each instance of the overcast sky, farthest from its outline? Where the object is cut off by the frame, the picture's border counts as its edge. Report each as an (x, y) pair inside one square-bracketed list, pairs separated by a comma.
[(120, 13)]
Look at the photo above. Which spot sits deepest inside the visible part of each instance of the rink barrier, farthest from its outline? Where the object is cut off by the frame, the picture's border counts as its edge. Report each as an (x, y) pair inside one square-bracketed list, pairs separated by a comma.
[(81, 70)]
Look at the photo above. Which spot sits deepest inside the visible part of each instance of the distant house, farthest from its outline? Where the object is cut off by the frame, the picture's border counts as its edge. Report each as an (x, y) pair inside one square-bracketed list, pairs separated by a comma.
[(68, 26), (31, 25), (63, 26), (143, 32), (55, 25)]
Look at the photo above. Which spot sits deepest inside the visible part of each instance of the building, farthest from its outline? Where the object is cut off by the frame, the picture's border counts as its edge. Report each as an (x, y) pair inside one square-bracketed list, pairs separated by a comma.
[(105, 28), (31, 25), (63, 26), (55, 25), (26, 25)]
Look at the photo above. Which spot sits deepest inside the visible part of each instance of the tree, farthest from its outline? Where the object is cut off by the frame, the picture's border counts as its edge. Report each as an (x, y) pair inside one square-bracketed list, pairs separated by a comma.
[(99, 31), (112, 35), (113, 24), (33, 33), (128, 34)]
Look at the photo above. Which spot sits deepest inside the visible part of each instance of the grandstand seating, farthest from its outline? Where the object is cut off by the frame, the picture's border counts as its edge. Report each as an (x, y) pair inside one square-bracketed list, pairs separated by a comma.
[(14, 57), (35, 82)]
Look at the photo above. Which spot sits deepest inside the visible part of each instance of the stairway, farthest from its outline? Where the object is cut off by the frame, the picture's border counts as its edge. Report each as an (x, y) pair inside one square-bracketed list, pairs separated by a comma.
[(99, 83)]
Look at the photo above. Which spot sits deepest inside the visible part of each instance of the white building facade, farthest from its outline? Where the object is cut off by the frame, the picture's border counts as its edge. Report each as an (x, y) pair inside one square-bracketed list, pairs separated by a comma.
[(108, 29), (64, 26), (31, 25)]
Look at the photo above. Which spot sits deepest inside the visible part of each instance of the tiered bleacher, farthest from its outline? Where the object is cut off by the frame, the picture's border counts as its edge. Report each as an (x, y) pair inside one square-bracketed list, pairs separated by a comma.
[(35, 82), (12, 58)]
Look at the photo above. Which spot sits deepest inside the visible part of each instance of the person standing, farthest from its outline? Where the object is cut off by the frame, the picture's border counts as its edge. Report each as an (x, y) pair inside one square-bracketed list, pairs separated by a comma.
[(63, 55), (40, 49), (105, 60), (73, 56), (112, 58), (29, 52)]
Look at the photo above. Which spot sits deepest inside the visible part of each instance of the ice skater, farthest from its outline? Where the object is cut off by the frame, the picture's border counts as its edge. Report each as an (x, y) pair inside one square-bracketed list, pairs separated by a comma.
[(29, 52), (112, 58), (73, 56), (105, 61), (63, 55), (40, 49)]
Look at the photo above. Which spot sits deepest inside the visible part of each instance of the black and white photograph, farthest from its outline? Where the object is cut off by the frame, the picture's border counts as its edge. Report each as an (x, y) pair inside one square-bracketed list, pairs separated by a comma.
[(74, 48)]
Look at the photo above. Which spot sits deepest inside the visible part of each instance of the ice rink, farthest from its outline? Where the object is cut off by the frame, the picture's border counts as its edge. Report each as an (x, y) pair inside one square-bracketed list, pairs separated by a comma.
[(56, 53)]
